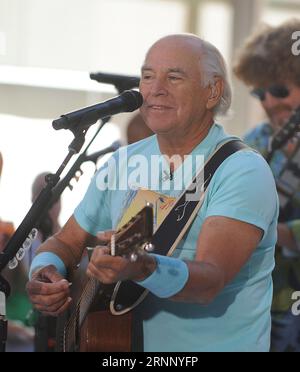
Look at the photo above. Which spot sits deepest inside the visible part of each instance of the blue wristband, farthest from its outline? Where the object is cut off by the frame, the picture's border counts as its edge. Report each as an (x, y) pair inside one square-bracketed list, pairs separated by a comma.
[(169, 278), (47, 258)]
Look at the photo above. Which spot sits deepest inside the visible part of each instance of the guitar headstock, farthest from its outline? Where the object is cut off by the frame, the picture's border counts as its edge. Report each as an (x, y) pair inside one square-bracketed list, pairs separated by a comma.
[(135, 236), (286, 132)]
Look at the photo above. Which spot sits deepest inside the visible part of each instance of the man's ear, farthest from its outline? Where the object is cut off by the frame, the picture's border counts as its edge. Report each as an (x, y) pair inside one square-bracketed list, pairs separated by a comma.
[(216, 92)]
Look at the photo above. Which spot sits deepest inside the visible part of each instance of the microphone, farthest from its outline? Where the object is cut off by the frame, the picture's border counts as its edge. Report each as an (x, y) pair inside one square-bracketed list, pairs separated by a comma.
[(112, 148), (128, 101), (121, 82)]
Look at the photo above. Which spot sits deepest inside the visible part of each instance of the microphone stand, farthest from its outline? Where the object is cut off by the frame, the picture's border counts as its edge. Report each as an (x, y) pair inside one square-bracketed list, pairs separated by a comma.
[(34, 213), (45, 199), (61, 186), (4, 293)]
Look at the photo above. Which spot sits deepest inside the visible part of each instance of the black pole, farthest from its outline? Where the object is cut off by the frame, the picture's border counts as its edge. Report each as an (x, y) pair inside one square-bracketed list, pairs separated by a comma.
[(65, 182), (4, 293), (15, 243)]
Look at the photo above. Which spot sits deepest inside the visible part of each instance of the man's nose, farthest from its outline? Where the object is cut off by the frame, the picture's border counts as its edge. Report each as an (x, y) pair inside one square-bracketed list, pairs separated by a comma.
[(159, 86)]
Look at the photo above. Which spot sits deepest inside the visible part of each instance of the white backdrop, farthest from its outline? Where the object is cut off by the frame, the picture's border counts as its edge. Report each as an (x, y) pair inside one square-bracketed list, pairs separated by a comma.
[(32, 146)]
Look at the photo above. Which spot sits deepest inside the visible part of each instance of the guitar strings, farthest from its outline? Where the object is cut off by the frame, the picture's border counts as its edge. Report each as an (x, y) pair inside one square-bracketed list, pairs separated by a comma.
[(89, 291), (88, 294)]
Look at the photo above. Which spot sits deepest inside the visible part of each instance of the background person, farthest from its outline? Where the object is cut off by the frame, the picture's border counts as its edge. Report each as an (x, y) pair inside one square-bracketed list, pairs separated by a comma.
[(266, 64)]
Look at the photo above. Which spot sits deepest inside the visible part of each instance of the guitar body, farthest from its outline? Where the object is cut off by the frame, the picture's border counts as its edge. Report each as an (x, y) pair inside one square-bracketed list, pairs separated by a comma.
[(100, 331), (98, 318)]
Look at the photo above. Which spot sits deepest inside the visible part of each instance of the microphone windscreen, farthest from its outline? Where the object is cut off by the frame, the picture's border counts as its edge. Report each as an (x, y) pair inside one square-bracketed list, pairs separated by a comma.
[(132, 100)]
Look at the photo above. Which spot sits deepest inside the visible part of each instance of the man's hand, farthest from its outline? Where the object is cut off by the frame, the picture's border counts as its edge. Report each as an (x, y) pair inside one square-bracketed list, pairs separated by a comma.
[(49, 291), (111, 269)]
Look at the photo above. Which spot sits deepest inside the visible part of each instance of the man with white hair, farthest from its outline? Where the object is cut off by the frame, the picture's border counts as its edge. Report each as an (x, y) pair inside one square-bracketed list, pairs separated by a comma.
[(224, 260)]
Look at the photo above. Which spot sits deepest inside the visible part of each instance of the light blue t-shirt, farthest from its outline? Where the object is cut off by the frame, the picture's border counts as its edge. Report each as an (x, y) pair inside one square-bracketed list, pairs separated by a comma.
[(238, 319)]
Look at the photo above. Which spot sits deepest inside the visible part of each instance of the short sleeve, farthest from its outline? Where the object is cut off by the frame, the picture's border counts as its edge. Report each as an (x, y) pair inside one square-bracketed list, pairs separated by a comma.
[(243, 188)]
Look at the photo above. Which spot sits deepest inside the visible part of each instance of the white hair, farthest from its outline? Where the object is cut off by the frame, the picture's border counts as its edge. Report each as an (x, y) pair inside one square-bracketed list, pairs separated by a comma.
[(213, 66)]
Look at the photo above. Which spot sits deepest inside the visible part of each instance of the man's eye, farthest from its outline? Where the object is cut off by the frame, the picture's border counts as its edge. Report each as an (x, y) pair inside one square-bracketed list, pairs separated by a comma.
[(174, 77), (147, 77)]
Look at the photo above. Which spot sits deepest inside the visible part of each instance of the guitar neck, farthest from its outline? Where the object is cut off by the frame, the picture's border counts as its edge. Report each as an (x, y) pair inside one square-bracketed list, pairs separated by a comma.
[(128, 241), (89, 293)]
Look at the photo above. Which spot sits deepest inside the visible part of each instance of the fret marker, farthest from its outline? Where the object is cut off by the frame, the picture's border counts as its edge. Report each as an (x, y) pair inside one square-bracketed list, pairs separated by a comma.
[(113, 245)]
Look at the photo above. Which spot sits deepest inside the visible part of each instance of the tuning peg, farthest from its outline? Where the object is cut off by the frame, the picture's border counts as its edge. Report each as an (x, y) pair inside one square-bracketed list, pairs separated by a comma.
[(78, 174), (149, 247), (133, 257)]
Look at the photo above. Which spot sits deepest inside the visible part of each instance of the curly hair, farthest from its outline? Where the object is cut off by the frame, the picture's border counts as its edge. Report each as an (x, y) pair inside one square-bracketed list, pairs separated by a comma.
[(267, 56)]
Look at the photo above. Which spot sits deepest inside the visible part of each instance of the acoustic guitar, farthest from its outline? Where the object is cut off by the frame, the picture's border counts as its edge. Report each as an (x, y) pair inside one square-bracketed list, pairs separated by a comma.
[(288, 180), (89, 324)]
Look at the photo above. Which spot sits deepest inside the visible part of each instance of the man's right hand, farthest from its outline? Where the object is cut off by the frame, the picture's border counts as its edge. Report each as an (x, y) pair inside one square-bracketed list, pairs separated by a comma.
[(49, 291)]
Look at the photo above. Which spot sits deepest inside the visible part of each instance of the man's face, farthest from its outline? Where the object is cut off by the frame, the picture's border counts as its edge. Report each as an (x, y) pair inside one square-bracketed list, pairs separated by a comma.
[(279, 110), (171, 86)]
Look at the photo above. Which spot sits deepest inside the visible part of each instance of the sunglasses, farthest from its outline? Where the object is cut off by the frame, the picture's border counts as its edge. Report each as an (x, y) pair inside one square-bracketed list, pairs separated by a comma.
[(276, 90)]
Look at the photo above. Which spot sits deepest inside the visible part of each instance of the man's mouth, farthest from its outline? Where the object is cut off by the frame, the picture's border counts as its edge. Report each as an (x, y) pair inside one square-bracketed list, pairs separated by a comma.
[(159, 107), (280, 117)]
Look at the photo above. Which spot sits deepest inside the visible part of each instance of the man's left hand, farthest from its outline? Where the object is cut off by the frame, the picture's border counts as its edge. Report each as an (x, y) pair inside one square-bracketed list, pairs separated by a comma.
[(111, 269)]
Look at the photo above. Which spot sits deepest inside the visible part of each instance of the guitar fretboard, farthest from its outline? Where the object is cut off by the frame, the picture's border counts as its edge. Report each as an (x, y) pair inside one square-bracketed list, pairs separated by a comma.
[(91, 289)]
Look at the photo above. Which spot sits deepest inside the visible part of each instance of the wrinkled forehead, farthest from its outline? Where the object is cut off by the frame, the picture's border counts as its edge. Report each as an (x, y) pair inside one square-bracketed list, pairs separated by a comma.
[(174, 52)]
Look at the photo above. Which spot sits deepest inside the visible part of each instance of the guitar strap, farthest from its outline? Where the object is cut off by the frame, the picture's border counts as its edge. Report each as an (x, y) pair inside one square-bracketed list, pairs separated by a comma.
[(128, 294), (181, 216)]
